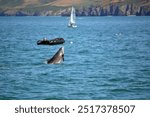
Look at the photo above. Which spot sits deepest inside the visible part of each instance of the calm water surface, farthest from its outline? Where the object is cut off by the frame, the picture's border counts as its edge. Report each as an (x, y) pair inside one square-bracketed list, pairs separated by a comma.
[(105, 58)]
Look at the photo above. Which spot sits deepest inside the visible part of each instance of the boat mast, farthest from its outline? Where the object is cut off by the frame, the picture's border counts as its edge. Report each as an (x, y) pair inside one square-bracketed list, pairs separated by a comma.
[(72, 22)]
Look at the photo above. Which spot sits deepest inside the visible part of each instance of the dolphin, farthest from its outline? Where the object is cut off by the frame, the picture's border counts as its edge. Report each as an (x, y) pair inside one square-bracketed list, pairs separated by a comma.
[(57, 58)]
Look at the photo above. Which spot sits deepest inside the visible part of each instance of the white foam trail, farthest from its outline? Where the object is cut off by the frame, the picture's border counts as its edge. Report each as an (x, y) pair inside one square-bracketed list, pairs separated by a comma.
[(118, 34), (45, 62)]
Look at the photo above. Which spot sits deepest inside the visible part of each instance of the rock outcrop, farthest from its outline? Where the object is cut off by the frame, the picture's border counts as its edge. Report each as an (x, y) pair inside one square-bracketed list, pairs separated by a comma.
[(104, 8), (113, 9)]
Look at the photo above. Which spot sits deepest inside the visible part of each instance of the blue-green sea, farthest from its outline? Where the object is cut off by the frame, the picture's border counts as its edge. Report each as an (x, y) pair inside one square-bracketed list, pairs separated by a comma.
[(105, 58)]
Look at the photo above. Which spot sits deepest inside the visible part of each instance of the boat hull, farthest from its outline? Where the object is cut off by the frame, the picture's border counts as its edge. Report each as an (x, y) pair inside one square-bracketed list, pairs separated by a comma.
[(55, 41), (72, 26)]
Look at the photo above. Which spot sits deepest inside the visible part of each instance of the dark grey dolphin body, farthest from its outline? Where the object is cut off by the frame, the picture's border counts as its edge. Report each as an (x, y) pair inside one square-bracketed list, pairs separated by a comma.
[(58, 57)]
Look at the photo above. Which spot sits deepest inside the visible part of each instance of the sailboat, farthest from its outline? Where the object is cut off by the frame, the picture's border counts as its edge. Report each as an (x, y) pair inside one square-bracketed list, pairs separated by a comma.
[(72, 22)]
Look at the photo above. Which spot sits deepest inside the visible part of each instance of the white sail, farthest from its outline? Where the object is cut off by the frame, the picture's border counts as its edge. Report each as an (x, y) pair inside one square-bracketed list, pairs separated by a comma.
[(72, 22)]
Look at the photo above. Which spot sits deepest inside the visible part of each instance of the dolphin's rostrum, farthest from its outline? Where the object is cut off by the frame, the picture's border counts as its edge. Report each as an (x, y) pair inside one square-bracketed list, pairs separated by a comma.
[(58, 57)]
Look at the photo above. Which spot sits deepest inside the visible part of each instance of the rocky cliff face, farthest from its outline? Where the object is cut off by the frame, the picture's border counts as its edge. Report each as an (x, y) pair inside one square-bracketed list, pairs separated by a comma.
[(113, 9)]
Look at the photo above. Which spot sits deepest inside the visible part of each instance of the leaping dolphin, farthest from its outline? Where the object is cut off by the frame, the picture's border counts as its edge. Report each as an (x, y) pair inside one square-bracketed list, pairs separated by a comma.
[(58, 57)]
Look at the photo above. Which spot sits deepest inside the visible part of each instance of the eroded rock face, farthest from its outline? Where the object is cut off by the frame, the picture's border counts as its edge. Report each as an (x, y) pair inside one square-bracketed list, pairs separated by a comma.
[(141, 8), (113, 9)]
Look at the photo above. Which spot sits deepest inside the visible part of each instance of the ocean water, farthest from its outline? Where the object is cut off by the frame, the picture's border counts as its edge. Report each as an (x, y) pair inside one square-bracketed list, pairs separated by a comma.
[(105, 58)]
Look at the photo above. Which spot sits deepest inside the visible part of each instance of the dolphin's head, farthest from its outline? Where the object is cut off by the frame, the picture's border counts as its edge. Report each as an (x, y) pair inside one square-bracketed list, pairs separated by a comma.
[(61, 52)]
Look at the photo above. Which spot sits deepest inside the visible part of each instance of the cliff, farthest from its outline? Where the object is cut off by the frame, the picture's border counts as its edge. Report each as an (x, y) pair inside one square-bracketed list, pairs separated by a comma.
[(83, 7), (114, 9)]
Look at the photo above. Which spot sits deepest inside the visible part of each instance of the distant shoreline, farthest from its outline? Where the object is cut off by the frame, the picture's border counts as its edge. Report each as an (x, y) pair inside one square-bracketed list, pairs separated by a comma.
[(68, 16), (84, 8), (110, 10)]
